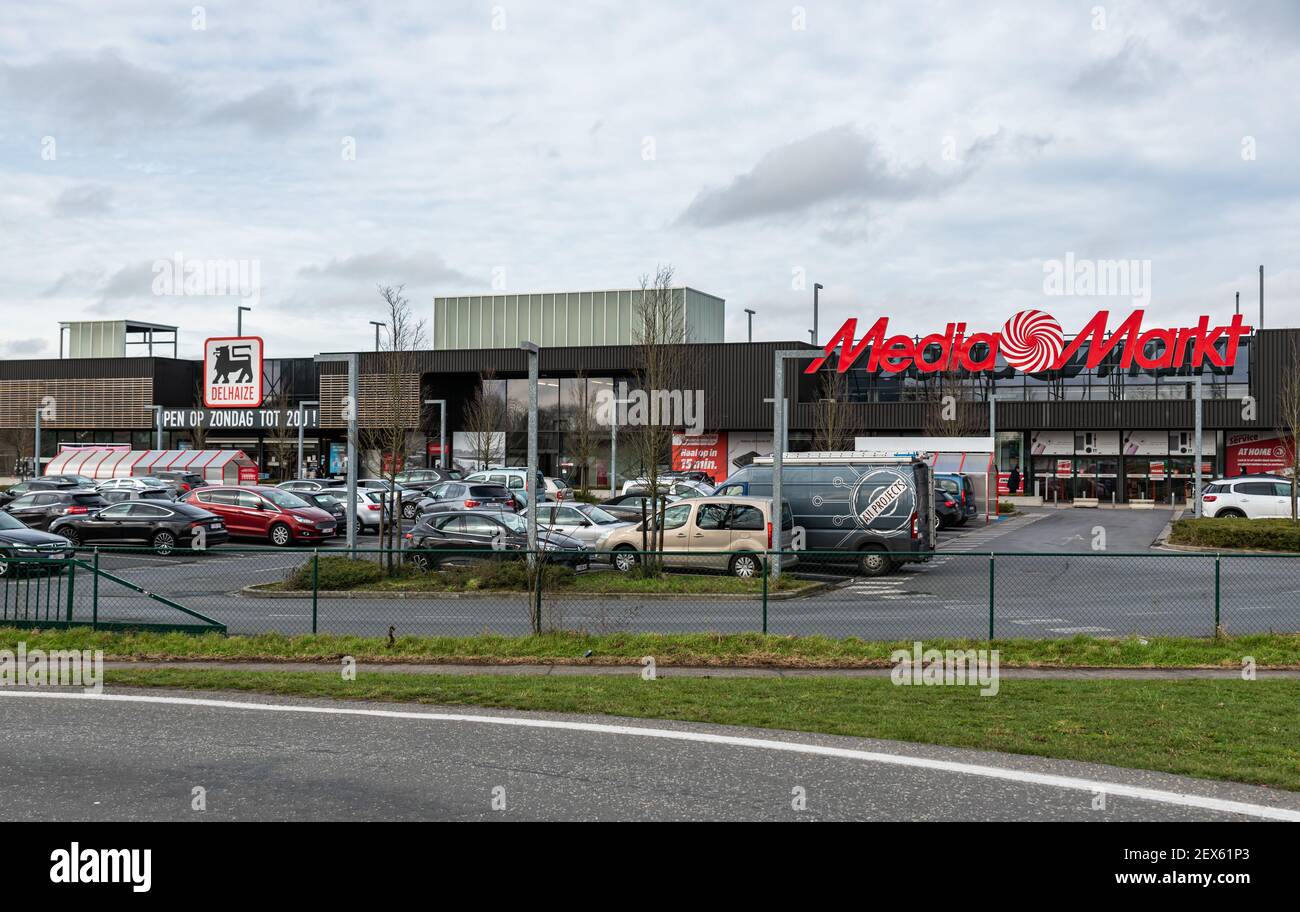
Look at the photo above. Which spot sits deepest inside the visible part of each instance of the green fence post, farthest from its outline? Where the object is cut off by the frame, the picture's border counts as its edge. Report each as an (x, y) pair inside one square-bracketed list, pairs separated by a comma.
[(765, 556), (72, 579), (94, 595), (1216, 595), (315, 581), (538, 570), (992, 563)]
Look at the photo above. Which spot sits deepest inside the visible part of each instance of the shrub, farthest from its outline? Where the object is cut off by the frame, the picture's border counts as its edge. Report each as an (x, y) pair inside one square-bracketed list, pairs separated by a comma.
[(499, 574), (1004, 507), (1261, 534), (336, 573)]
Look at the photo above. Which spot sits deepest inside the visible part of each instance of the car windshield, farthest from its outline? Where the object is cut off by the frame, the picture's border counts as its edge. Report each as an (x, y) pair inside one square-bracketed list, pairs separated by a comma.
[(8, 522), (151, 480), (285, 499), (600, 517), (328, 501)]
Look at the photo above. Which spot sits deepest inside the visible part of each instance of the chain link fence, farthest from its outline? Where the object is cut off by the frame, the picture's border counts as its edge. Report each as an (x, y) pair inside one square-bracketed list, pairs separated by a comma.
[(467, 592)]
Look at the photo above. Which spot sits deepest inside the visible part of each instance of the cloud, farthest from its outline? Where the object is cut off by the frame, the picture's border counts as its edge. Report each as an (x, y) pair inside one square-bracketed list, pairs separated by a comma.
[(21, 347), (134, 281), (102, 91), (272, 110), (83, 200), (1133, 70), (391, 268), (835, 165)]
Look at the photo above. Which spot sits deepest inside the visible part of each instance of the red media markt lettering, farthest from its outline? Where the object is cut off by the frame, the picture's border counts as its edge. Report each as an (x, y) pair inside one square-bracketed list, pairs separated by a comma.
[(1032, 341)]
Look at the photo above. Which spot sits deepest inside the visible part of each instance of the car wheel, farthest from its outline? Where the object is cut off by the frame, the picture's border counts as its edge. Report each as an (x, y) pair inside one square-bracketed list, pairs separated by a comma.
[(71, 534), (6, 569), (422, 563), (281, 535), (874, 562), (164, 542), (1230, 513), (745, 566), (409, 511), (625, 559)]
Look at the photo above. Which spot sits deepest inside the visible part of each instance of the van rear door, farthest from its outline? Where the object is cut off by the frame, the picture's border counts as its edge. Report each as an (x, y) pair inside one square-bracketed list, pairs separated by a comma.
[(926, 527)]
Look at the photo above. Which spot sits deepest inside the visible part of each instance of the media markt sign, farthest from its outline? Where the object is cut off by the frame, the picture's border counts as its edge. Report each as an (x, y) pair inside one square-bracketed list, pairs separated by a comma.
[(1032, 341), (232, 372)]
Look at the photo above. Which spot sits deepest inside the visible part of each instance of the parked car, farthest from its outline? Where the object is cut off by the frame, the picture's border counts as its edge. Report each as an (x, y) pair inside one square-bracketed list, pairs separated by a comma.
[(163, 526), (511, 479), (466, 495), (410, 497), (946, 509), (1248, 497), (40, 508), (962, 490), (257, 511), (464, 536), (84, 481), (22, 549), (424, 479), (716, 533), (298, 485), (587, 523), (880, 509), (184, 481), (138, 486), (332, 505), (629, 506), (371, 510), (678, 487), (55, 483)]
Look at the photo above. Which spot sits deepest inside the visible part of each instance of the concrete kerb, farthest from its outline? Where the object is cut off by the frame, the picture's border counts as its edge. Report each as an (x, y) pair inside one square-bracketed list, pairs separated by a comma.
[(256, 591)]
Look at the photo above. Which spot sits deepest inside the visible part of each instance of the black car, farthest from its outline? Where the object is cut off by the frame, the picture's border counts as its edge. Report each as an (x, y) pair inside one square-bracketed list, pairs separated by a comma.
[(22, 549), (165, 526), (38, 509), (466, 536), (424, 479), (947, 509), (331, 504), (630, 506), (464, 495), (53, 483)]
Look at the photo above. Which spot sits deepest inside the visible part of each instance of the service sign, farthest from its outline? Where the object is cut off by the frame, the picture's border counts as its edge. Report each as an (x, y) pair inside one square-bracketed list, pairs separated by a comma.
[(232, 372)]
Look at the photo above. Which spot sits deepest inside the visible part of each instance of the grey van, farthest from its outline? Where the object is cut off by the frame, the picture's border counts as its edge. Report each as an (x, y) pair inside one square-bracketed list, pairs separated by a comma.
[(878, 512)]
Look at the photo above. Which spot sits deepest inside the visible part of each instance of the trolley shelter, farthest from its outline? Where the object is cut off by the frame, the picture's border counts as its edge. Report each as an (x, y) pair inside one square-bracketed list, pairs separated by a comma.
[(970, 456), (225, 467)]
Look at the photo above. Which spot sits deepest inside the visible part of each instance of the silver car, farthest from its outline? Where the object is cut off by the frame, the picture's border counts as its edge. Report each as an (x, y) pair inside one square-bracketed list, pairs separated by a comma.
[(587, 523)]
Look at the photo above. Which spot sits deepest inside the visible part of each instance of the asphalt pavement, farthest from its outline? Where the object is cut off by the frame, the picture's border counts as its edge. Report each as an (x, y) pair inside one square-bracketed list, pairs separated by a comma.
[(132, 755), (1056, 572)]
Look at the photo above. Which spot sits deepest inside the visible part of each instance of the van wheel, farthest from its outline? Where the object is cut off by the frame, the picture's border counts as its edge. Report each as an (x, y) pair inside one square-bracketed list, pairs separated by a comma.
[(1230, 513), (281, 536), (745, 566), (625, 559), (874, 562)]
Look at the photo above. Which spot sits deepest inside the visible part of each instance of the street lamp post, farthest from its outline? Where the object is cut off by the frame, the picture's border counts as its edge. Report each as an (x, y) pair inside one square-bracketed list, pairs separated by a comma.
[(350, 412), (817, 286), (751, 323), (378, 325), (531, 480), (239, 319)]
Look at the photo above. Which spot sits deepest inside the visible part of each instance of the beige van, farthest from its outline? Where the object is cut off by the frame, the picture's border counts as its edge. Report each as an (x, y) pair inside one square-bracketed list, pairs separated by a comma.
[(714, 533)]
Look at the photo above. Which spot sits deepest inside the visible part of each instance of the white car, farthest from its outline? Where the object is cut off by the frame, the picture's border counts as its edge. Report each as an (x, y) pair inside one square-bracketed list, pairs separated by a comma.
[(677, 486), (370, 507), (136, 486), (1249, 497), (587, 523)]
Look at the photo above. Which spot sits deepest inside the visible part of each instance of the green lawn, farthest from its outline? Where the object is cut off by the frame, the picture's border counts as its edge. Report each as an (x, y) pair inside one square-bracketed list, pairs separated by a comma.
[(1236, 730), (745, 649)]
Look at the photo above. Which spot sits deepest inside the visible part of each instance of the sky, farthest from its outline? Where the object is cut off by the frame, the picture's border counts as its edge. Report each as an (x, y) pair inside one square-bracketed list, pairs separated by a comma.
[(925, 161)]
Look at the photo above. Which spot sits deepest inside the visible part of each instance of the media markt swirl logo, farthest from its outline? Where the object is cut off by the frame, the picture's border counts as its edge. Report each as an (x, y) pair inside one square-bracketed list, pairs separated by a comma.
[(1032, 341)]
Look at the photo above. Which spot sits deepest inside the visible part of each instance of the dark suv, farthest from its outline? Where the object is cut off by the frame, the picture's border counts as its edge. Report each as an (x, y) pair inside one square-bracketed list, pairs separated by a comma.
[(464, 495), (38, 509), (57, 483)]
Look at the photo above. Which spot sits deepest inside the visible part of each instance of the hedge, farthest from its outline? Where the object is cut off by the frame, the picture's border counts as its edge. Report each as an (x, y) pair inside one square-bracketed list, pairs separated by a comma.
[(1259, 534)]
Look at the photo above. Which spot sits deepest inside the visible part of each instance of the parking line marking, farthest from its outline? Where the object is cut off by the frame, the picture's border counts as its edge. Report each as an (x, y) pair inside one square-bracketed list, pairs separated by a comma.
[(1025, 777)]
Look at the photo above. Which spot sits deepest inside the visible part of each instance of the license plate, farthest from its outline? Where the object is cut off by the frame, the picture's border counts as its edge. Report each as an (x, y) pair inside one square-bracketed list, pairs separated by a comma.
[(327, 529)]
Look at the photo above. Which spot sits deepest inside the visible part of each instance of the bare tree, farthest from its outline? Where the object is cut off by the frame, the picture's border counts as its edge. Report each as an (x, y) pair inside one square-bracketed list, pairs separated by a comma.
[(485, 422), (282, 440), (395, 392), (1289, 416), (581, 423), (949, 398), (660, 334), (16, 446), (831, 430)]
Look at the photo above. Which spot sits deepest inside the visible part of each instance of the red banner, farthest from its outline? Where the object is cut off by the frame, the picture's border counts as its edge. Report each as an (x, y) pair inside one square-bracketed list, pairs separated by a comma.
[(1253, 454), (701, 453)]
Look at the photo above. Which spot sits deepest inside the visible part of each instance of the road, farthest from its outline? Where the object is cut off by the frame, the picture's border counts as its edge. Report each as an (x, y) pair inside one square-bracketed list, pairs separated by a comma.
[(140, 756), (1064, 587)]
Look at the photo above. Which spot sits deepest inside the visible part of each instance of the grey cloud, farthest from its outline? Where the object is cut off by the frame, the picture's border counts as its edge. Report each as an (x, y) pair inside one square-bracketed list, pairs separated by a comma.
[(274, 109), (134, 281), (1133, 70), (20, 347), (84, 199), (835, 165), (103, 91), (391, 268)]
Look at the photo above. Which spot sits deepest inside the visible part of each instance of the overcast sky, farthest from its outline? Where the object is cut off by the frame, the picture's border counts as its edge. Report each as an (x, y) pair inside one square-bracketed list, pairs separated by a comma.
[(921, 160)]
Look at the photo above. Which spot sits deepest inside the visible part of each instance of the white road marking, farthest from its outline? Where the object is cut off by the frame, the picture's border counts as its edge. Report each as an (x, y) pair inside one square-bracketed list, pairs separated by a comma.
[(1181, 799), (1078, 629)]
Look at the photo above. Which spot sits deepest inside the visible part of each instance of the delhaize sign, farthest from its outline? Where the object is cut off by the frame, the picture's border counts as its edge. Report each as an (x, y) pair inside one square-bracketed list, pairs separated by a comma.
[(232, 372), (1032, 341)]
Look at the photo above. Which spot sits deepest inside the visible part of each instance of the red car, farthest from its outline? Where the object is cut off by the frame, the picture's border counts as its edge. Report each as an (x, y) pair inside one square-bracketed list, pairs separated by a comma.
[(255, 511)]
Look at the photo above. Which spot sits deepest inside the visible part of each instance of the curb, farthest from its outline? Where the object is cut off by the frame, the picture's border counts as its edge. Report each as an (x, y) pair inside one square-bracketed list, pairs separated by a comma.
[(255, 592)]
